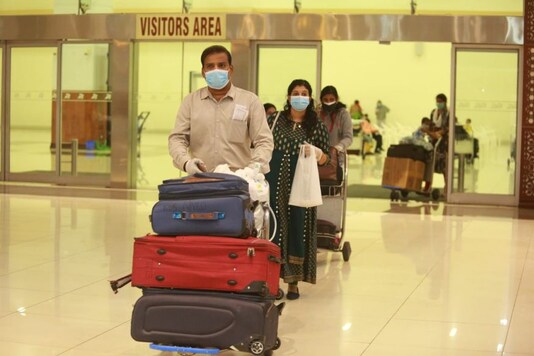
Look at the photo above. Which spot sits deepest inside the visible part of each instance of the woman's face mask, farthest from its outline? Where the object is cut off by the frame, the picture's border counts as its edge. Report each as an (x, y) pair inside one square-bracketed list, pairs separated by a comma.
[(217, 78), (299, 103), (329, 106), (440, 105)]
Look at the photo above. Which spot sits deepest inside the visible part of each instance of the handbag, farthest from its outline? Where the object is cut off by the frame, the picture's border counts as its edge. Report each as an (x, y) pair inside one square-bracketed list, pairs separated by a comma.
[(329, 172), (306, 187)]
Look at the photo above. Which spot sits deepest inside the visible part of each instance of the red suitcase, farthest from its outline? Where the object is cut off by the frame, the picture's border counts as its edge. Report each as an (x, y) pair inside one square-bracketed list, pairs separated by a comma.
[(248, 265)]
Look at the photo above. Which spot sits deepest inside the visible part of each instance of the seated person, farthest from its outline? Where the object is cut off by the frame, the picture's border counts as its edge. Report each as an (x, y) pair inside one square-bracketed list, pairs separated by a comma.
[(469, 129), (369, 130), (419, 137)]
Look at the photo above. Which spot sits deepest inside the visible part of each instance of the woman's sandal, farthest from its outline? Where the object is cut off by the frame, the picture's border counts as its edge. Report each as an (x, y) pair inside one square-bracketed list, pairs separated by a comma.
[(293, 295)]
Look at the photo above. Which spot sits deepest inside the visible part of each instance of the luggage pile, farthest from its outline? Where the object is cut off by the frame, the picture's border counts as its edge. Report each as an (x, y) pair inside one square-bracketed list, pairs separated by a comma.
[(208, 281), (404, 167)]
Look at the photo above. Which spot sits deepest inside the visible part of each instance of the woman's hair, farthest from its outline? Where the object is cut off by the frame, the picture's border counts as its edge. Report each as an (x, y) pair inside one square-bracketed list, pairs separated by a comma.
[(267, 106), (310, 116), (442, 97), (330, 89)]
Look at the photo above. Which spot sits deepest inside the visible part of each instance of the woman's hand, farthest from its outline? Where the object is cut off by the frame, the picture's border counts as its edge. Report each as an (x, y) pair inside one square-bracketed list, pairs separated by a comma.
[(310, 149)]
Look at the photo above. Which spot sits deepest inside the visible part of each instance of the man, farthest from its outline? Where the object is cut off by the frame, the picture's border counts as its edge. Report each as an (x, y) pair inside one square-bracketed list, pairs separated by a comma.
[(220, 123)]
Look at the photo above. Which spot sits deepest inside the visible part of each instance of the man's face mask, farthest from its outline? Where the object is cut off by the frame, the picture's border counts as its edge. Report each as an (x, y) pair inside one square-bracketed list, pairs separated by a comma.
[(217, 78), (299, 103), (440, 105)]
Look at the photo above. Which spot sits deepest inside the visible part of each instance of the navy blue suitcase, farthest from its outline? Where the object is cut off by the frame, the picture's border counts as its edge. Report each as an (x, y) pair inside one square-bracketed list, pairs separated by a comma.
[(209, 204), (203, 184)]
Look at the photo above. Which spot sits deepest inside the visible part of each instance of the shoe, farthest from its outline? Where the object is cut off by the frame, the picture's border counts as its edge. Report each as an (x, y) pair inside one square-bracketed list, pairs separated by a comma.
[(293, 295)]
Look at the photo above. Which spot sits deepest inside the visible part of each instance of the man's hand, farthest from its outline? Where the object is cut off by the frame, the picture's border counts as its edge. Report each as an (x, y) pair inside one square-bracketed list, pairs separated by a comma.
[(195, 165)]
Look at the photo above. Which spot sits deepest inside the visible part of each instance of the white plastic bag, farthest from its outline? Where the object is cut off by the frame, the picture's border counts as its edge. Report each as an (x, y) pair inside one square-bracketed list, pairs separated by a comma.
[(257, 186), (306, 188)]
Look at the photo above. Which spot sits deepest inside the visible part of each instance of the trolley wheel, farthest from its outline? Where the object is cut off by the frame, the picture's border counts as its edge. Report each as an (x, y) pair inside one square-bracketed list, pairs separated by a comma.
[(404, 193), (346, 250), (394, 195), (256, 347), (280, 294), (435, 194)]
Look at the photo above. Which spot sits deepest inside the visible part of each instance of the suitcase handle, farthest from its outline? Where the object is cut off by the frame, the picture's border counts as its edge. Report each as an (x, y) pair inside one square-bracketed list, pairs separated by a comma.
[(275, 259), (185, 215)]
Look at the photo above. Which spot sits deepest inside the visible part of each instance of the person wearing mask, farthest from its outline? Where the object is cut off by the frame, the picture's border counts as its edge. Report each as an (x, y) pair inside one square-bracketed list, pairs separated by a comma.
[(296, 232), (381, 111), (269, 109), (336, 118), (440, 129), (219, 124)]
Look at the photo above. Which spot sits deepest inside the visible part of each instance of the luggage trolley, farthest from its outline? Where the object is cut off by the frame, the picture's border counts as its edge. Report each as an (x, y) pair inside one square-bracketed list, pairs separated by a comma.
[(331, 216), (398, 192)]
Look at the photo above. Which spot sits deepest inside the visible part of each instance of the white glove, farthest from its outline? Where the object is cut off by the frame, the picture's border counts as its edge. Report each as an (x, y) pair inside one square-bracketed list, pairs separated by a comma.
[(339, 148), (255, 166), (195, 165), (316, 150)]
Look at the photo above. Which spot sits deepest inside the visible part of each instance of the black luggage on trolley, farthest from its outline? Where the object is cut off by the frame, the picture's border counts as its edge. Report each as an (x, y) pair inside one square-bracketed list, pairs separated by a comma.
[(200, 319), (415, 152)]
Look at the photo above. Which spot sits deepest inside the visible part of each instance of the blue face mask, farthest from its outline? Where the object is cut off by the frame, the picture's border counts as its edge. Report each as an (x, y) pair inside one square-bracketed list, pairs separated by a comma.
[(217, 78), (299, 103), (440, 105)]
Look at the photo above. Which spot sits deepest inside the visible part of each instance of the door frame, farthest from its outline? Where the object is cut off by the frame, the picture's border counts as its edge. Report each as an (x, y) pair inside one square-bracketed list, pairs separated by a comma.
[(484, 198), (255, 46), (54, 176)]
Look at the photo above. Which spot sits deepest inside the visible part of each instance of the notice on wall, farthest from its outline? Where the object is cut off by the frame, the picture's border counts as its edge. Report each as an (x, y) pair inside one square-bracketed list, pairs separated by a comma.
[(181, 26)]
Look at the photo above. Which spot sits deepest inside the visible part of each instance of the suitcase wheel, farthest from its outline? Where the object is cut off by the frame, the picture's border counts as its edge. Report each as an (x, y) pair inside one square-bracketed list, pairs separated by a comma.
[(280, 294), (347, 250), (256, 347), (277, 344)]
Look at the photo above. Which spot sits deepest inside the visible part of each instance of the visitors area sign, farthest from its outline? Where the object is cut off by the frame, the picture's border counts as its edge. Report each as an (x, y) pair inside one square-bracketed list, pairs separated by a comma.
[(181, 26)]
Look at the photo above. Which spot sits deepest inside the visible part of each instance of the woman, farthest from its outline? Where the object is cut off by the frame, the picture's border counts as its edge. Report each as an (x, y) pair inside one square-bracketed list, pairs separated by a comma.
[(296, 233), (336, 118)]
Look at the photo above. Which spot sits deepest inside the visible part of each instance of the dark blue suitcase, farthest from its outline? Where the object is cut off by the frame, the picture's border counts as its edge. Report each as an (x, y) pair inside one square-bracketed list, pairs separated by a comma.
[(204, 204), (207, 319), (203, 184)]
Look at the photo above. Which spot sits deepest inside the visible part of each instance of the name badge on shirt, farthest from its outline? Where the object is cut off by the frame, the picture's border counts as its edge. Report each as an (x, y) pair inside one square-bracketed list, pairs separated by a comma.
[(240, 113)]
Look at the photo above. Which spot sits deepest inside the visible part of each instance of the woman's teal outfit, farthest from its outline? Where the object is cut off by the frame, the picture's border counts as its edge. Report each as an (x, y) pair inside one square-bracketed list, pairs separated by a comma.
[(296, 232)]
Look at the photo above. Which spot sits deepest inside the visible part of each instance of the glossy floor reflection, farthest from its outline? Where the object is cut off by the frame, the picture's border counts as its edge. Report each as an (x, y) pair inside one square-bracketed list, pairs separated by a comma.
[(422, 280)]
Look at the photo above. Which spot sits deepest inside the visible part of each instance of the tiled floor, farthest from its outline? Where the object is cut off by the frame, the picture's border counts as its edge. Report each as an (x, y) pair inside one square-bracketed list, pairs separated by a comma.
[(422, 280)]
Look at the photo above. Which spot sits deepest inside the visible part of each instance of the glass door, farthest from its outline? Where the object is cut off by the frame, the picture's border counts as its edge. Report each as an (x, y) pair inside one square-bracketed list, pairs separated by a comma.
[(484, 125), (31, 81), (279, 63), (57, 136)]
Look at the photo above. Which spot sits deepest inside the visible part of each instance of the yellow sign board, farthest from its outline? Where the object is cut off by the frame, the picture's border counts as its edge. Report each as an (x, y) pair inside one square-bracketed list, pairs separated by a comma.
[(181, 26)]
